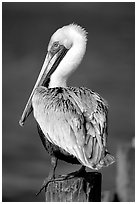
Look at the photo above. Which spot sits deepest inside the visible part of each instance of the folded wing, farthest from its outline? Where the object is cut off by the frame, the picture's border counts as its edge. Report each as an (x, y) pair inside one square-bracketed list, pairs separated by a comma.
[(75, 119)]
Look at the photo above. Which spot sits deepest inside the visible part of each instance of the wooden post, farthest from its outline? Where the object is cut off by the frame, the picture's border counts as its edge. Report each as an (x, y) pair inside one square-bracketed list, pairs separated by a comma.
[(85, 188)]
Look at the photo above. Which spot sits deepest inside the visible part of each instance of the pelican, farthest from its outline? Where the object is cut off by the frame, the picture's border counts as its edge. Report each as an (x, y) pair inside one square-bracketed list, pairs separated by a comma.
[(72, 122)]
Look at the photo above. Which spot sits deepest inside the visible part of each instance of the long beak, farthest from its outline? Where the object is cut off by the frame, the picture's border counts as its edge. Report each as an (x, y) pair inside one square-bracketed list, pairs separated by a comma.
[(50, 64)]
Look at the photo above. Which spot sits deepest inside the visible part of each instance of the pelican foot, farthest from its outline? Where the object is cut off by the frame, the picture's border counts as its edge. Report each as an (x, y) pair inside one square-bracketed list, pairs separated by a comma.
[(49, 180), (45, 184)]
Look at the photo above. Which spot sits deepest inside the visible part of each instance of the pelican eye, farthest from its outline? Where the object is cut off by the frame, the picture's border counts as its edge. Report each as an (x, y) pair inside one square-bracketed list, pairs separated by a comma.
[(56, 45)]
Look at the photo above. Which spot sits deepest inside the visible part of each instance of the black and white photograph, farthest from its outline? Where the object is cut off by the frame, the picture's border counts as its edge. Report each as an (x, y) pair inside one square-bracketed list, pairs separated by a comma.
[(68, 101)]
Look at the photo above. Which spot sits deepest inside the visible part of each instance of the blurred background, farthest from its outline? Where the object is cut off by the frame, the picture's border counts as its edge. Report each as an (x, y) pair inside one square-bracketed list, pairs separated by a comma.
[(107, 68)]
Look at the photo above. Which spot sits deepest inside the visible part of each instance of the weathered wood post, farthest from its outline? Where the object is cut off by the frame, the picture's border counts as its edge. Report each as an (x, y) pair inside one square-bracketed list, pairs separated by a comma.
[(85, 188)]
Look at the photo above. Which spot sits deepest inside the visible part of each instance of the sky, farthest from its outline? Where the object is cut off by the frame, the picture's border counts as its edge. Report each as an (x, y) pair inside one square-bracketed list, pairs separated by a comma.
[(108, 68)]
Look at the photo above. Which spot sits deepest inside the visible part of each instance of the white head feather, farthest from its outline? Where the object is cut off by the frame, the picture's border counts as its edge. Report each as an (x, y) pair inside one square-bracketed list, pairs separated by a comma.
[(74, 38)]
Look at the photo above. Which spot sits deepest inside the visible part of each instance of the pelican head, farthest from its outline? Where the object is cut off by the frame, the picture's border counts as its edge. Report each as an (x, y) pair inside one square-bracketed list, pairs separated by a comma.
[(66, 49)]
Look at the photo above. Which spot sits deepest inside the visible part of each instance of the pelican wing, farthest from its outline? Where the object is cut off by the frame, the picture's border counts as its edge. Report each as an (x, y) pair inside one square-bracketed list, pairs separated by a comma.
[(70, 120), (95, 111)]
